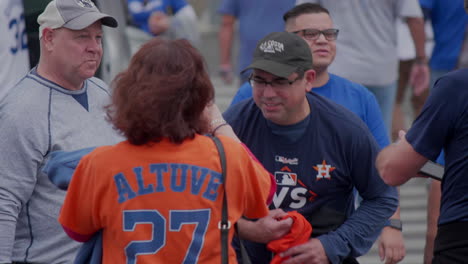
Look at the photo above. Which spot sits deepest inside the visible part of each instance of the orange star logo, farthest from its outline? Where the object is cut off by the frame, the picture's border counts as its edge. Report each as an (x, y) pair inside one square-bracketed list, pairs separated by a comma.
[(323, 170)]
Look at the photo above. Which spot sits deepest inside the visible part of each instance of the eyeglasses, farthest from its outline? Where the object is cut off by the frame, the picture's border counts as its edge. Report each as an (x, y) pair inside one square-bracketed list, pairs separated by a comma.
[(277, 83), (313, 34)]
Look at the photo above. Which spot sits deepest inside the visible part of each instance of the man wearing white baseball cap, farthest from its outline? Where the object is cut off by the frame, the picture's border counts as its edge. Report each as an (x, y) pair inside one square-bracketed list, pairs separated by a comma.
[(58, 105), (72, 14)]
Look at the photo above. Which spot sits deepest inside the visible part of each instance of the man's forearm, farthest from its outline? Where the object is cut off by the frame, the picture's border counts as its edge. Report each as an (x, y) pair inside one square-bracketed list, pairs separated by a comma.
[(253, 231), (416, 27), (398, 162), (357, 234), (247, 229), (226, 35), (265, 229)]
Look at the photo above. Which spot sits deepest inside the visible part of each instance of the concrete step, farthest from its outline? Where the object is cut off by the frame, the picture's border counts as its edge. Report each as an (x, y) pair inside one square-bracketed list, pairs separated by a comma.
[(414, 229), (413, 216), (414, 203), (417, 189)]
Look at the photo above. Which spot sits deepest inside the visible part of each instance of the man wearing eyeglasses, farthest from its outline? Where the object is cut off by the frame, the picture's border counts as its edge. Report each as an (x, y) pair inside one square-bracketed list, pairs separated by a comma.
[(368, 47), (313, 23), (318, 152)]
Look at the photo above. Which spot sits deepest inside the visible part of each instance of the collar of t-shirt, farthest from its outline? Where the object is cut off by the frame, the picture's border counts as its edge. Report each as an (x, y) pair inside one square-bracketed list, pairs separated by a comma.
[(291, 133), (81, 96)]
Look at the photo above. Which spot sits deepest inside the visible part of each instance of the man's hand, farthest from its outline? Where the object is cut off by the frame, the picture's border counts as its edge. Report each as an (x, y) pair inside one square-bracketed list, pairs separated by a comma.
[(419, 78), (391, 245), (265, 229), (311, 252), (159, 22)]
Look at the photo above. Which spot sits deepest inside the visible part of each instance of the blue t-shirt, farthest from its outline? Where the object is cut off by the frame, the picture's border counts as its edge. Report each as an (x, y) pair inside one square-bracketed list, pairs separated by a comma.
[(449, 22), (317, 172), (351, 95), (443, 124), (441, 159), (257, 18), (141, 12)]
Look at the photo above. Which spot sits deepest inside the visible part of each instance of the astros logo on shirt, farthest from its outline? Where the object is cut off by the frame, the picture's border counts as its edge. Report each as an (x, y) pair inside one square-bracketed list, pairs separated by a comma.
[(323, 171)]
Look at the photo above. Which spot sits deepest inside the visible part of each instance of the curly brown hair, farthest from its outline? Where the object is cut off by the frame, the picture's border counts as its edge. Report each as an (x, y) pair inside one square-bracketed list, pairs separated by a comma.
[(162, 94)]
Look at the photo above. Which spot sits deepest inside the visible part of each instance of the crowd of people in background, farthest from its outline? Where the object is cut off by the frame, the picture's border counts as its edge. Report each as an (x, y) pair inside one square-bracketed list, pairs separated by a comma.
[(142, 160)]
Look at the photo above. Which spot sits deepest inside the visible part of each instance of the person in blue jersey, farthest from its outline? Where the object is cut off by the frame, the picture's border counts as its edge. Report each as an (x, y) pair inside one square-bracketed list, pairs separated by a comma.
[(442, 125), (318, 152), (14, 46), (256, 19), (58, 105), (305, 20), (154, 16), (449, 22), (368, 46)]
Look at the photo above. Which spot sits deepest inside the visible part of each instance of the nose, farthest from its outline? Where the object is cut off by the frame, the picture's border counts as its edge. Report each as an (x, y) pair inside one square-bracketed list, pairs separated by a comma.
[(269, 91), (94, 45), (321, 38)]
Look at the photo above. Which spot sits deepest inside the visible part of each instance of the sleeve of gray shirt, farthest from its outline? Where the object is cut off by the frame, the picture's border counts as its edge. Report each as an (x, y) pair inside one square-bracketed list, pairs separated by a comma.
[(409, 8), (24, 143)]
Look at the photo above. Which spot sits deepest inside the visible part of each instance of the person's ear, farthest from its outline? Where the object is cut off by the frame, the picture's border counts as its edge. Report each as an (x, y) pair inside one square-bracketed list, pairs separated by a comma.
[(310, 76), (48, 37)]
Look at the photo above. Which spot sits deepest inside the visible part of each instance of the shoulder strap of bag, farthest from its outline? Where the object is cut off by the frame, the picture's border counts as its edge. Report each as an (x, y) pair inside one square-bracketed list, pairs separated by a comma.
[(224, 225)]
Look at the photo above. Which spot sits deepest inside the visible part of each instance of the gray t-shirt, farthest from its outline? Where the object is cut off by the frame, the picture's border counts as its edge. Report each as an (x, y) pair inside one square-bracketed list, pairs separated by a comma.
[(37, 117), (367, 42)]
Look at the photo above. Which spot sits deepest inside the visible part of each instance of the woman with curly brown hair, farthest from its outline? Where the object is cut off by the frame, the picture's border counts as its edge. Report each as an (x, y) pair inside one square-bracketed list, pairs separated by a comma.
[(158, 195)]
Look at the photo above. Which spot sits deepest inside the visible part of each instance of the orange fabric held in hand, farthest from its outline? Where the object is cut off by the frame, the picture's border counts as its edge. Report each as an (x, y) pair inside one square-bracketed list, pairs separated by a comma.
[(299, 234)]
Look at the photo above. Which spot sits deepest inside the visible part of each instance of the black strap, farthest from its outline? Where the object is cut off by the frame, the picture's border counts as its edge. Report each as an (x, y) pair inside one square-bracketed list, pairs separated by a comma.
[(224, 225), (244, 255)]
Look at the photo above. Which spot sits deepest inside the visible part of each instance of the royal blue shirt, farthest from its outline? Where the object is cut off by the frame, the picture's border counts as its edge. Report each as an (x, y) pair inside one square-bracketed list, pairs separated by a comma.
[(449, 22), (317, 171), (257, 18), (443, 125), (351, 95), (141, 12)]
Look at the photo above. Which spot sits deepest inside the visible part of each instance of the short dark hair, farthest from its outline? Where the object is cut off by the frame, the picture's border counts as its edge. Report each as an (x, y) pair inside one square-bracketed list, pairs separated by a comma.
[(162, 94), (305, 8)]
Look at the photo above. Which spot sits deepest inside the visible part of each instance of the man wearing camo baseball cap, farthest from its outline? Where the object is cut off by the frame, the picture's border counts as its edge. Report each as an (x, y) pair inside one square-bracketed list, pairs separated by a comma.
[(58, 105), (72, 14)]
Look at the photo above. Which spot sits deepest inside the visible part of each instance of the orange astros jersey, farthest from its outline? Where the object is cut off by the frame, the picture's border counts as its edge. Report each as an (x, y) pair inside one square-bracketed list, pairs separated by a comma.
[(162, 203)]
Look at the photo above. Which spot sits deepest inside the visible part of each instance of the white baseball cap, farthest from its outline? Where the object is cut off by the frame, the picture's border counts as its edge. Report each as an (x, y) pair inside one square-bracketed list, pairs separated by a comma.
[(72, 14)]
